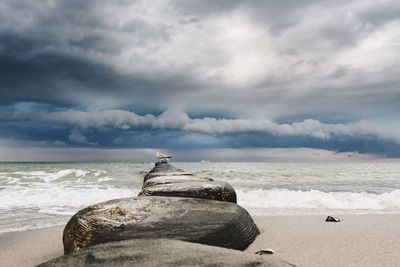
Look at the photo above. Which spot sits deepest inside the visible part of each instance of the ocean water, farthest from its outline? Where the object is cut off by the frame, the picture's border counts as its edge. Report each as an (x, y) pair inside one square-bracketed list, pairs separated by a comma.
[(35, 195)]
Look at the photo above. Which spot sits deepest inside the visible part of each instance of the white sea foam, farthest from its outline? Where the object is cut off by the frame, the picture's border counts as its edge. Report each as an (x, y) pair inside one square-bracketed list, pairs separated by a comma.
[(98, 173), (314, 200), (51, 176), (105, 179), (35, 199), (59, 198)]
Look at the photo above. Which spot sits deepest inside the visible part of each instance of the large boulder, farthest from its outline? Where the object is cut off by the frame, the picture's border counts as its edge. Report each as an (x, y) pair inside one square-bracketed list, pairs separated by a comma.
[(160, 252), (197, 189), (196, 220)]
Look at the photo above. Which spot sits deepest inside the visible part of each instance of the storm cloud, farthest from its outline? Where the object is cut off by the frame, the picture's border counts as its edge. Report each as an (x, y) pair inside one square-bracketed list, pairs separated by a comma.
[(220, 73)]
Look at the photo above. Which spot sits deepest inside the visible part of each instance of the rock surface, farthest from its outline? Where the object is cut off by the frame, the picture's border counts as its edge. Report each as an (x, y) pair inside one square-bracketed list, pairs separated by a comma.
[(196, 220), (161, 180), (165, 169), (160, 252), (197, 189)]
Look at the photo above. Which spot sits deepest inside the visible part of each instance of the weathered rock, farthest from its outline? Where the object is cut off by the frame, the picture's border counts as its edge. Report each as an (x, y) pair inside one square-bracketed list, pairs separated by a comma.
[(166, 180), (153, 175), (165, 169), (202, 221), (160, 252), (197, 189), (161, 180)]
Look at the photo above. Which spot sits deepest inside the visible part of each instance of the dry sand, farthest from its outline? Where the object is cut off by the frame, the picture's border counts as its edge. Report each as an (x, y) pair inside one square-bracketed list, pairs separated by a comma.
[(358, 240), (31, 247)]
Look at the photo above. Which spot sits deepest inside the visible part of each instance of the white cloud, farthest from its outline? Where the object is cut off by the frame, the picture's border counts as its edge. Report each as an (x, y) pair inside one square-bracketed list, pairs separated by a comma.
[(175, 119), (308, 127)]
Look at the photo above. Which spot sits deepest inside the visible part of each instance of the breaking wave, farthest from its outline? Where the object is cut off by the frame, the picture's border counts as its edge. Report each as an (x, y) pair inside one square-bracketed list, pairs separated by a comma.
[(315, 201), (59, 192), (44, 176), (60, 200)]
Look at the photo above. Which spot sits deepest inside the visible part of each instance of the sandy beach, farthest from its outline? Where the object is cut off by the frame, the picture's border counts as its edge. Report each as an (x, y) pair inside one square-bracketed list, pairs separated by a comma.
[(358, 240), (31, 247)]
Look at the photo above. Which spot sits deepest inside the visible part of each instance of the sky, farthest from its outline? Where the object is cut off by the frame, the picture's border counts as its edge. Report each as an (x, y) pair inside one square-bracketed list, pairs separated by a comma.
[(122, 79)]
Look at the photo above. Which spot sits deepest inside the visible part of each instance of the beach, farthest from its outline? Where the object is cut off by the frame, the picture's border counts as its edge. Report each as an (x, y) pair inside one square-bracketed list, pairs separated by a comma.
[(358, 240), (306, 240), (240, 125)]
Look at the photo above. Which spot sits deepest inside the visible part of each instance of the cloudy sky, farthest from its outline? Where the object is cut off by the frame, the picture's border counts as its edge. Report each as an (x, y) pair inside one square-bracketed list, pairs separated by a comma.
[(221, 75)]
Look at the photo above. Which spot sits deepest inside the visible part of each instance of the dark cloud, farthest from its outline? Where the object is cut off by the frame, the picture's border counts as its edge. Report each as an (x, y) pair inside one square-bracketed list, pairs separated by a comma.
[(114, 55), (68, 80), (51, 78), (242, 64)]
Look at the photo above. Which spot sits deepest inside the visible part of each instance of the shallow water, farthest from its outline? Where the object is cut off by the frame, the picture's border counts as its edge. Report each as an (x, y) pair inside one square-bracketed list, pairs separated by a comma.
[(44, 194)]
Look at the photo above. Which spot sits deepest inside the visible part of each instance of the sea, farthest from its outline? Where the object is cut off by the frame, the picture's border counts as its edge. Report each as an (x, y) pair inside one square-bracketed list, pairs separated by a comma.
[(37, 195)]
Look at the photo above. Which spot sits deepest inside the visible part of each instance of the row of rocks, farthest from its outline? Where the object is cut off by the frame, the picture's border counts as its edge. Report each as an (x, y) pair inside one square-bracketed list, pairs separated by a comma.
[(173, 204)]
